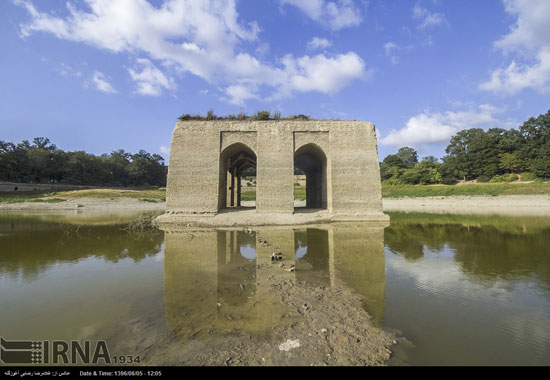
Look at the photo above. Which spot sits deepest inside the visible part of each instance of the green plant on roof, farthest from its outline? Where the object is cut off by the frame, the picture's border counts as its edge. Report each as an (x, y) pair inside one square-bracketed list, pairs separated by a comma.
[(299, 117), (210, 115), (258, 115), (261, 115)]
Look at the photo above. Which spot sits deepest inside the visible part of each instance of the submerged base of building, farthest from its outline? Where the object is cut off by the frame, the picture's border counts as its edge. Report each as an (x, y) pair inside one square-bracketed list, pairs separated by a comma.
[(250, 217)]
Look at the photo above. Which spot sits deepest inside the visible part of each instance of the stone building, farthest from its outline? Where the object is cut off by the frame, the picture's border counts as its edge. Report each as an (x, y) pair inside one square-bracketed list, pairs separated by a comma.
[(207, 159)]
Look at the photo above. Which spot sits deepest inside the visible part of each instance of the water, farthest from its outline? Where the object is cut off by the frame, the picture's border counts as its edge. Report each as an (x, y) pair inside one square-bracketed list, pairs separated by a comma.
[(464, 290)]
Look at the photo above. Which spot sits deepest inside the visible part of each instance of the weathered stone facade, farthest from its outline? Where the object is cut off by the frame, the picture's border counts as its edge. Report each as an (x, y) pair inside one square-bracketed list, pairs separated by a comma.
[(340, 159)]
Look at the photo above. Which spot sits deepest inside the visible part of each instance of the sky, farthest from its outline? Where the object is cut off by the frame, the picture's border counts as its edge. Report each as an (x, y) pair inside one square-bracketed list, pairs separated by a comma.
[(102, 75)]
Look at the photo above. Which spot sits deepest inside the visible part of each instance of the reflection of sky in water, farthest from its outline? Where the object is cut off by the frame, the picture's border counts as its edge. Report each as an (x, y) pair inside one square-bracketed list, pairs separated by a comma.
[(301, 251), (248, 252), (435, 301)]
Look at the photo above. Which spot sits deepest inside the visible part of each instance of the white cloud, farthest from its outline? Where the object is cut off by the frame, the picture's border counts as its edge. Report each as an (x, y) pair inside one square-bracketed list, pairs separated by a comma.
[(67, 71), (427, 19), (238, 93), (528, 41), (390, 48), (335, 15), (164, 149), (435, 128), (319, 43), (319, 73), (393, 51), (532, 26), (199, 37), (101, 83), (516, 77), (150, 80)]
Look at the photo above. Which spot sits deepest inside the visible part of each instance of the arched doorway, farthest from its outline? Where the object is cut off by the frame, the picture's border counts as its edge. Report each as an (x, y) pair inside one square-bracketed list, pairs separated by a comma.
[(235, 160), (311, 159)]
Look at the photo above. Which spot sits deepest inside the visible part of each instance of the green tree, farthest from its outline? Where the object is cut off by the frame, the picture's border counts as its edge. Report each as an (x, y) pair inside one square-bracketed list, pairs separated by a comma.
[(408, 156), (535, 149), (472, 153), (541, 167), (510, 162)]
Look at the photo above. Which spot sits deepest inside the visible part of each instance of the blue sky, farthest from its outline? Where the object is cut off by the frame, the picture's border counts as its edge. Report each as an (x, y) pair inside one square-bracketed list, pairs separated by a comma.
[(100, 75)]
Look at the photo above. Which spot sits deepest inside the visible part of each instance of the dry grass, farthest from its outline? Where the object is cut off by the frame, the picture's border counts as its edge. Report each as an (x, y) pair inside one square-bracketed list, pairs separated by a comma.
[(149, 194)]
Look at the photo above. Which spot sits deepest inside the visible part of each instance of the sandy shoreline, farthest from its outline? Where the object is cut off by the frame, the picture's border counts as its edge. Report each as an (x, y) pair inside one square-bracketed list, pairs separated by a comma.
[(503, 205), (536, 205), (83, 204)]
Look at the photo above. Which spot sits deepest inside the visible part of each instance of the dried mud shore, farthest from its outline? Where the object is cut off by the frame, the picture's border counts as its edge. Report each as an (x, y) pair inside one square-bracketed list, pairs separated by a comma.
[(83, 204), (536, 205), (311, 326), (502, 204)]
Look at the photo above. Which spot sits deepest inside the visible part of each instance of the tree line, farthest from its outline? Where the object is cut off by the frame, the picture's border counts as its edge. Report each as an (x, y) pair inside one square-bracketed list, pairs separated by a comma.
[(42, 162), (495, 155)]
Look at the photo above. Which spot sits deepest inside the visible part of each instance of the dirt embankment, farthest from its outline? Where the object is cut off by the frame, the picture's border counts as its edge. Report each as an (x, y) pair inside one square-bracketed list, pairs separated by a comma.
[(503, 205), (83, 204)]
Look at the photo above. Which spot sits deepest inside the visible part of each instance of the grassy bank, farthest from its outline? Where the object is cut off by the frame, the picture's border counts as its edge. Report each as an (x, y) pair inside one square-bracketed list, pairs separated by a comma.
[(146, 195), (299, 194), (28, 198), (492, 189)]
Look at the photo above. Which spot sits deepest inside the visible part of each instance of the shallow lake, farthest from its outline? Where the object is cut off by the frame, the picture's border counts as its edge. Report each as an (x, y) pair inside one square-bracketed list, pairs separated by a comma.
[(458, 290)]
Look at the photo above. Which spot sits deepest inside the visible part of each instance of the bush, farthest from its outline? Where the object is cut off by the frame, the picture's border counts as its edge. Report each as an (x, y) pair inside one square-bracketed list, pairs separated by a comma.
[(299, 117), (392, 181), (483, 178), (504, 178), (527, 176), (512, 177), (210, 115), (448, 180), (261, 115)]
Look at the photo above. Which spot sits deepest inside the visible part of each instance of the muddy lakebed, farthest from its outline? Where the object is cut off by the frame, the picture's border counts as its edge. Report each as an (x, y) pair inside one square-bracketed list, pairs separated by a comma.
[(426, 290)]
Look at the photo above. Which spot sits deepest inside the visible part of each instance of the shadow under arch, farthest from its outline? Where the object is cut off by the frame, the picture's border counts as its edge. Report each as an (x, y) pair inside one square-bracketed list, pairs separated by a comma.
[(234, 159), (311, 159)]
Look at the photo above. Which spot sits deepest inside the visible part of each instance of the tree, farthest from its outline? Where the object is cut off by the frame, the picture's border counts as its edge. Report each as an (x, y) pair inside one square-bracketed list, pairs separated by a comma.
[(147, 169), (471, 152), (510, 162), (535, 133), (408, 156), (541, 166), (424, 173), (119, 165), (431, 160), (43, 161)]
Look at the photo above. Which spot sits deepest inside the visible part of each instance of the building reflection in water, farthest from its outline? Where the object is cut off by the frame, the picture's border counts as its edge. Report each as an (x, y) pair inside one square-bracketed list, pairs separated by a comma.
[(223, 281)]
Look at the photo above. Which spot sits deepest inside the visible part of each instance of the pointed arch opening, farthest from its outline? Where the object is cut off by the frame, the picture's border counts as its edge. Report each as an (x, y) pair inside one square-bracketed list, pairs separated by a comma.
[(237, 164), (312, 161)]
